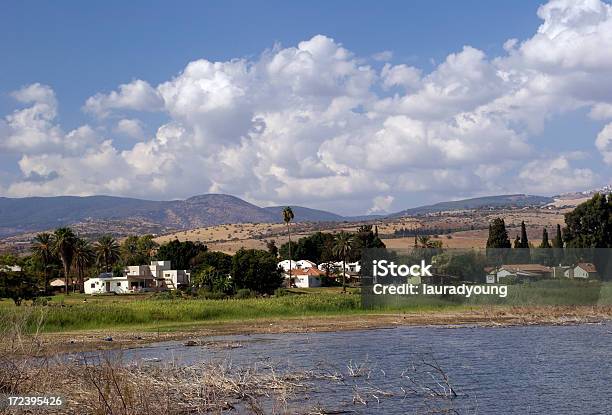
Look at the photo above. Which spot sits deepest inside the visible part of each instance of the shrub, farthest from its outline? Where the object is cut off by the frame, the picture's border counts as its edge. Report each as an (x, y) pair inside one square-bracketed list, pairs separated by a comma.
[(211, 295), (244, 293), (281, 292)]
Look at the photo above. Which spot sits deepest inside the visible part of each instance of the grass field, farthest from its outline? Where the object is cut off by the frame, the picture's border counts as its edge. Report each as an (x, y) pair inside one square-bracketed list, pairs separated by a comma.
[(146, 312)]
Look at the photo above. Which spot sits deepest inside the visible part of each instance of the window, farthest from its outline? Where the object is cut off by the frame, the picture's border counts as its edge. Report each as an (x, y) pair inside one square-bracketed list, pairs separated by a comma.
[(118, 284), (93, 285)]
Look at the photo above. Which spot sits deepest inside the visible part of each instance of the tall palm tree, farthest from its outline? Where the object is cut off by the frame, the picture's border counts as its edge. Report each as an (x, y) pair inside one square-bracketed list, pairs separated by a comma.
[(287, 218), (107, 251), (64, 247), (43, 248), (83, 259), (343, 244)]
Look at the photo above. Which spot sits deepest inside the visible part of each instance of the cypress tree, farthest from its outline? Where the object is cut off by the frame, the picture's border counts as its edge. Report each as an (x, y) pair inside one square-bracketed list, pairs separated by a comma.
[(498, 236), (545, 243), (517, 242), (558, 241), (524, 240)]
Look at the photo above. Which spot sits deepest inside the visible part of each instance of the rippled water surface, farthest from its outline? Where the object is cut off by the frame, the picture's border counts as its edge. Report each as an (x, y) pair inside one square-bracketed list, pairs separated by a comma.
[(512, 370)]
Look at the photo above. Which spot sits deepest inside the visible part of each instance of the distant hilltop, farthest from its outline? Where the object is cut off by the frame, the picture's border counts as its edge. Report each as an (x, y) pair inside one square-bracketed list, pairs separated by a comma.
[(584, 194)]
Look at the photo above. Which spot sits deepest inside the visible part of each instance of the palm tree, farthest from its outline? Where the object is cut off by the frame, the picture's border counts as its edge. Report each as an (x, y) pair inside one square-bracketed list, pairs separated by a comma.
[(64, 247), (343, 244), (83, 258), (108, 251), (43, 248), (287, 218), (424, 241)]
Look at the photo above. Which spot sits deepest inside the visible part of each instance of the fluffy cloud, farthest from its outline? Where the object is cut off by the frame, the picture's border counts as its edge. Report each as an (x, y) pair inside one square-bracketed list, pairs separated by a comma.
[(137, 95), (541, 175), (317, 125), (130, 127)]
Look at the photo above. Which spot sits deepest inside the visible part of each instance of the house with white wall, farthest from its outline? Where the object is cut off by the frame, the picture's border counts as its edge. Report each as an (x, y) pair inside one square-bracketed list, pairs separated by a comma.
[(585, 270), (284, 264), (305, 264), (305, 278), (158, 275)]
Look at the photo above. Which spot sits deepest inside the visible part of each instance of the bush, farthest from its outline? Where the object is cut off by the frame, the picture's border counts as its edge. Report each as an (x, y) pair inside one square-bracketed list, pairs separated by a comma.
[(244, 293), (41, 301), (281, 292), (211, 295)]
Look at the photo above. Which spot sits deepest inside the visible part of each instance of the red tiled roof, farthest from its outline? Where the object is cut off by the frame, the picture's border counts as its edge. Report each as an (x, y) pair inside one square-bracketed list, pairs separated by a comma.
[(308, 271), (526, 268), (587, 266)]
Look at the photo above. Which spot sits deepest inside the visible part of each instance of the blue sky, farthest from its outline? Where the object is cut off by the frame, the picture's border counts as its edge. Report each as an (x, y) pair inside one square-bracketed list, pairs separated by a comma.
[(80, 48), (75, 50)]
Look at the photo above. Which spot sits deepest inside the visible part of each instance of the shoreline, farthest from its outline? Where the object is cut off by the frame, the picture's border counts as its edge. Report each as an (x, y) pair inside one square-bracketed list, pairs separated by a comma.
[(134, 337)]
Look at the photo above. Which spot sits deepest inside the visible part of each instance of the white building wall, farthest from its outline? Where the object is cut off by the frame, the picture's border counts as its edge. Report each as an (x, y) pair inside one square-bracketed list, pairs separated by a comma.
[(580, 273), (285, 265)]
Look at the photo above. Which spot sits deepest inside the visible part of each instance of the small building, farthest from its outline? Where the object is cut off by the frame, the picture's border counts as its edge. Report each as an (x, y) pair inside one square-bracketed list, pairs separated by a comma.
[(156, 276), (305, 264), (562, 271), (306, 278), (10, 268), (284, 264), (106, 283), (585, 270), (522, 272)]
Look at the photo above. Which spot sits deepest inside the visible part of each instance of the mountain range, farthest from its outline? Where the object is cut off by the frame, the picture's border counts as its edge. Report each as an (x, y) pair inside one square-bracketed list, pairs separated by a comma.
[(32, 214)]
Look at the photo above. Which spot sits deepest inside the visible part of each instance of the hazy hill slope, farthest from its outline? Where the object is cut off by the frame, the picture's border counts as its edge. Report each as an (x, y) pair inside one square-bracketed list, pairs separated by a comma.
[(517, 200), (39, 213)]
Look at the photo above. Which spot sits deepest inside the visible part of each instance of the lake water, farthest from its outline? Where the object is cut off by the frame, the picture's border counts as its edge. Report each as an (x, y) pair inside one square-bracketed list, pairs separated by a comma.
[(511, 370)]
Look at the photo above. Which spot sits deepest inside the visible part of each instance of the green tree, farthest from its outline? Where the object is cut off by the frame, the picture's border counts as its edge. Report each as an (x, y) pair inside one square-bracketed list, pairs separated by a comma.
[(524, 240), (256, 270), (342, 248), (589, 225), (497, 242), (17, 286), (180, 254), (43, 249), (138, 250), (558, 241), (288, 216), (83, 259), (65, 239), (545, 243), (107, 252), (558, 251), (498, 236), (272, 248)]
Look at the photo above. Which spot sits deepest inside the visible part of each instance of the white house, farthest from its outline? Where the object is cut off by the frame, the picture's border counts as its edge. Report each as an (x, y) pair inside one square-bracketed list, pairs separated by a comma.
[(585, 270), (351, 267), (10, 268), (306, 278), (284, 264), (331, 266), (521, 271), (161, 272), (158, 276), (107, 283), (305, 264)]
